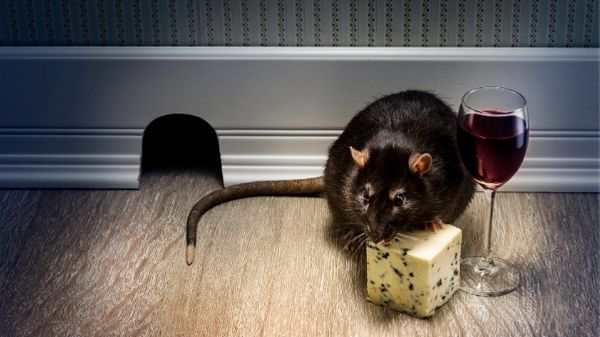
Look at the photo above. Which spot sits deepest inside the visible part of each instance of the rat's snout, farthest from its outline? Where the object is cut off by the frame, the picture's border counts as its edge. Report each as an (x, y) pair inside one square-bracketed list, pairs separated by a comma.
[(378, 226), (379, 233)]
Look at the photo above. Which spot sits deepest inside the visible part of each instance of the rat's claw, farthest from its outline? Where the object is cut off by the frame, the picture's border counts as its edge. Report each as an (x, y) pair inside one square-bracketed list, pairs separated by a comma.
[(434, 224)]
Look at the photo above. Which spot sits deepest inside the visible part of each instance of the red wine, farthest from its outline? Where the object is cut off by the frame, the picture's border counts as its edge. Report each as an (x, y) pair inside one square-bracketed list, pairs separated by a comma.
[(492, 147)]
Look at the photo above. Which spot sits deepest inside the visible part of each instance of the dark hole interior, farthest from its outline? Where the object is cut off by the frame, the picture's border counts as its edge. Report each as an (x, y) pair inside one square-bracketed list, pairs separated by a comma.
[(180, 142)]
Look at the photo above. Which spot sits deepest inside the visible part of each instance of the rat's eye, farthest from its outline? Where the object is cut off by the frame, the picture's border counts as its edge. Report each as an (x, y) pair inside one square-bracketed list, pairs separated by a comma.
[(398, 200)]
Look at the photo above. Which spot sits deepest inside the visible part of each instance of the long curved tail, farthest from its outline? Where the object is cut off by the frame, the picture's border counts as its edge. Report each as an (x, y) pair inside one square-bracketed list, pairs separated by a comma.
[(257, 188)]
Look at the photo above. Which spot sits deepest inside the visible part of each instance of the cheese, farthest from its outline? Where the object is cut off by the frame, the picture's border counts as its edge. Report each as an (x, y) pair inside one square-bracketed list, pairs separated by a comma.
[(416, 275)]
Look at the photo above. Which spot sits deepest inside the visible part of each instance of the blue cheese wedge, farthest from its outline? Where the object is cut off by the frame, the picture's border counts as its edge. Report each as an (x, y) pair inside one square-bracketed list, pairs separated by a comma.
[(416, 275)]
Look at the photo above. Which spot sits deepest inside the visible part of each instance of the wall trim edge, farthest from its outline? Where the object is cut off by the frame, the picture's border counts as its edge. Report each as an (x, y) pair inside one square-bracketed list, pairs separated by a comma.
[(253, 155)]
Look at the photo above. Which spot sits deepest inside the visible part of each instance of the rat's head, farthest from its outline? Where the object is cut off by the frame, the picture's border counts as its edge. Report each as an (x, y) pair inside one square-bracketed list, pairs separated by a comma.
[(389, 190)]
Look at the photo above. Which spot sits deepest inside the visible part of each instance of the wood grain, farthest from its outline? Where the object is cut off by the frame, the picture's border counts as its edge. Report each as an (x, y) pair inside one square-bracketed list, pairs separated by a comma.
[(111, 263)]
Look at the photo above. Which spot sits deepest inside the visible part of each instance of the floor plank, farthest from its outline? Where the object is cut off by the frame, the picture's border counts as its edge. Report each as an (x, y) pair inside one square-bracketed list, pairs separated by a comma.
[(111, 263)]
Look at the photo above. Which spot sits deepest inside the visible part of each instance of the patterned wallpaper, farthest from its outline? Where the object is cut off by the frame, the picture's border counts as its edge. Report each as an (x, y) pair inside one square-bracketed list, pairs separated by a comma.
[(503, 23)]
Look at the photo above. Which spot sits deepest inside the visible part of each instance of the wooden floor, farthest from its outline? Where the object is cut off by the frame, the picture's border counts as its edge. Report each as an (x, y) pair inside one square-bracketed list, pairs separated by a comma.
[(111, 263)]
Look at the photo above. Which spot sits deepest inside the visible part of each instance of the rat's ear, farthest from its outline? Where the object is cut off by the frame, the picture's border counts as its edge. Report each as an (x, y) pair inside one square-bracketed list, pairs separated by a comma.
[(419, 163), (360, 157)]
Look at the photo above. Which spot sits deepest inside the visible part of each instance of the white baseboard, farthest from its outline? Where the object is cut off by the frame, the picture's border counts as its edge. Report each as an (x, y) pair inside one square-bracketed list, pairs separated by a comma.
[(558, 161), (69, 158), (74, 117), (69, 176)]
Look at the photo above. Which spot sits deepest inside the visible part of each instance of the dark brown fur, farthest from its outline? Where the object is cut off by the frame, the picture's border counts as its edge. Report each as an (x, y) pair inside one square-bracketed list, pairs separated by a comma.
[(391, 131)]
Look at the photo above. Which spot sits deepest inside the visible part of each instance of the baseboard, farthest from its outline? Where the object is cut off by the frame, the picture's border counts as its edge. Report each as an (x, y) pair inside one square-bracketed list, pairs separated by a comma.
[(69, 176), (69, 158), (74, 117), (558, 161)]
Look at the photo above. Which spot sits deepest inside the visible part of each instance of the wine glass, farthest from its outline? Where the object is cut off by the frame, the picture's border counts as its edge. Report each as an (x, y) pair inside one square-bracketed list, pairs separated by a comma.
[(492, 134)]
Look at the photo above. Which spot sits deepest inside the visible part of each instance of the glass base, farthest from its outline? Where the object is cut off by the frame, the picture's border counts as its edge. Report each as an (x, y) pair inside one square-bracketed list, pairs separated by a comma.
[(488, 276)]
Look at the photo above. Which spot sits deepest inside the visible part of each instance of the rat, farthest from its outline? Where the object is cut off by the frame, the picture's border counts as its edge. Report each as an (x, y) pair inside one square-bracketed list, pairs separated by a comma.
[(395, 166)]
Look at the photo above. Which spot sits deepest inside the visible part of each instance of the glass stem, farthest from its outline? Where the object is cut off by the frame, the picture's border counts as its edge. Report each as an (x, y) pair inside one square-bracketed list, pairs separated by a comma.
[(490, 196)]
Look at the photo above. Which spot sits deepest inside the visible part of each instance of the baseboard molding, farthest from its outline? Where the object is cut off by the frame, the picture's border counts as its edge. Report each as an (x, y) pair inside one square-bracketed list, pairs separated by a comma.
[(69, 158), (526, 180), (557, 161), (69, 176), (74, 117)]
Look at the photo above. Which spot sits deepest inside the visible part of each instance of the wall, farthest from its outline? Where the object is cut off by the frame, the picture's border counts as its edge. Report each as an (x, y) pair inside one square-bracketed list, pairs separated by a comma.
[(74, 116), (462, 23)]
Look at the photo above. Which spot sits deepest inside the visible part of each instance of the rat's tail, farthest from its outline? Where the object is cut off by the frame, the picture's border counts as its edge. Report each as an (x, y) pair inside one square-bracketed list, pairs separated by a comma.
[(276, 187)]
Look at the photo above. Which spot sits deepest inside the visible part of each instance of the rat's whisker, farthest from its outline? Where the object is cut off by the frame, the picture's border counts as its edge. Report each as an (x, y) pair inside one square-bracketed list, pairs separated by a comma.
[(360, 248), (358, 237), (401, 238), (361, 239)]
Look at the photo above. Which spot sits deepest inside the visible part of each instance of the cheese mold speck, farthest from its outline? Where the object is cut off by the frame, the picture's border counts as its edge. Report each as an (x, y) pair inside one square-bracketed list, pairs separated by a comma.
[(415, 275)]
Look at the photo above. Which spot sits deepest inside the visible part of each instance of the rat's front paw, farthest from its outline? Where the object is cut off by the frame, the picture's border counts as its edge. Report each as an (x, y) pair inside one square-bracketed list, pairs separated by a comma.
[(434, 224)]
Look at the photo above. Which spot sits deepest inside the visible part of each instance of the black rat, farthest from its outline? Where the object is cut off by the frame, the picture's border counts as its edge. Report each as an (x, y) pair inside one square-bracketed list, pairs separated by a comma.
[(395, 165)]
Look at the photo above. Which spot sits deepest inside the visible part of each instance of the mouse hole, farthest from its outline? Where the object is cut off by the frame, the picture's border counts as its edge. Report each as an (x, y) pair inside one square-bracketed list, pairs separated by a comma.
[(180, 143)]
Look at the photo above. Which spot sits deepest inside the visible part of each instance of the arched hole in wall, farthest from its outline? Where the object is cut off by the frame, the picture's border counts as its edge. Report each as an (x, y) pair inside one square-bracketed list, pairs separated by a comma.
[(180, 142)]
